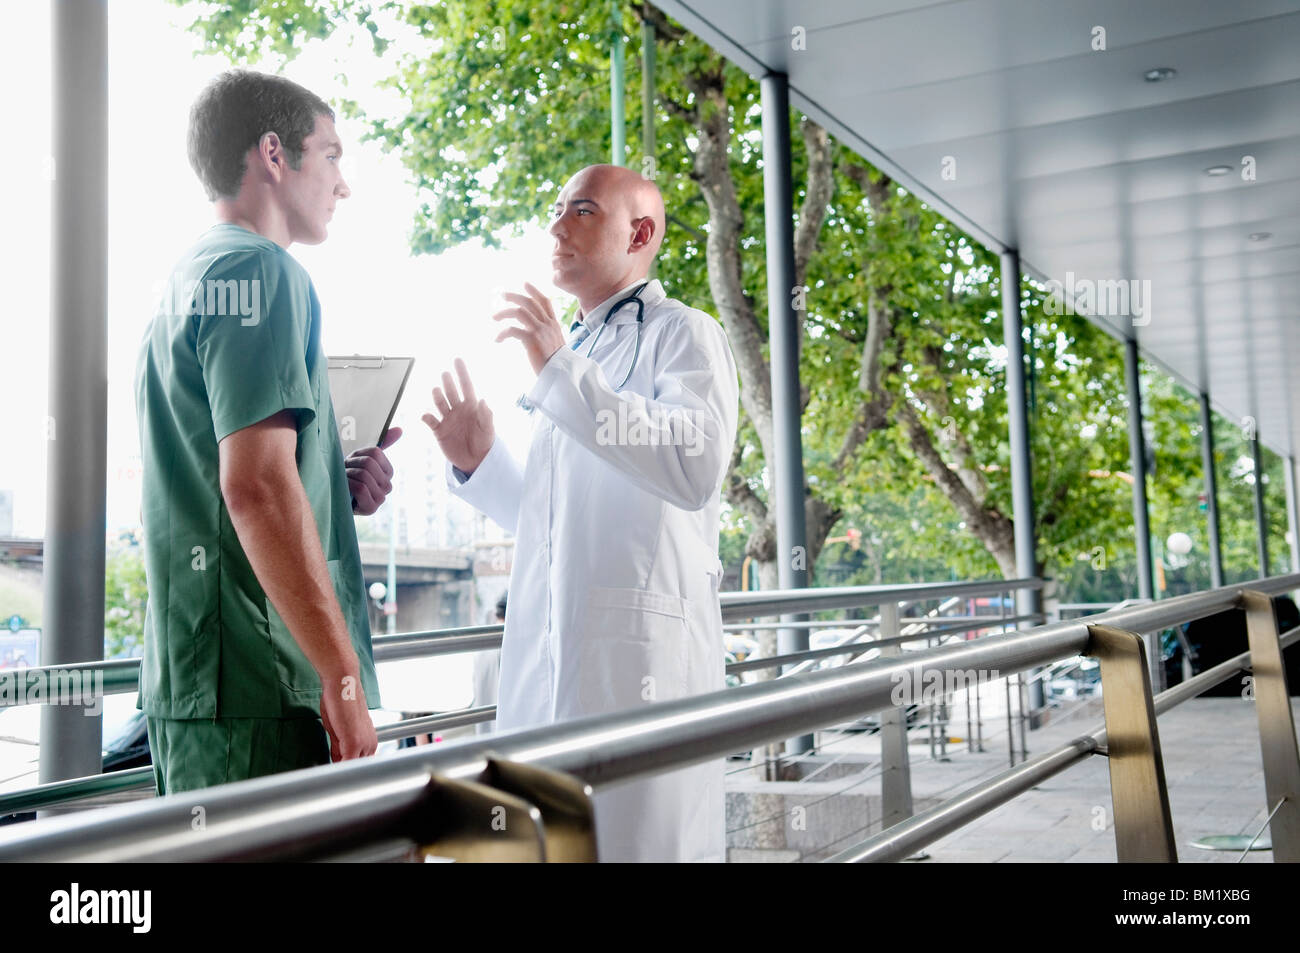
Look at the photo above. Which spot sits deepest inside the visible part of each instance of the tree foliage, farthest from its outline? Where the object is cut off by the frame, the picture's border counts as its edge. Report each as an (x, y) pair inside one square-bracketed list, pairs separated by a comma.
[(902, 357), (125, 599)]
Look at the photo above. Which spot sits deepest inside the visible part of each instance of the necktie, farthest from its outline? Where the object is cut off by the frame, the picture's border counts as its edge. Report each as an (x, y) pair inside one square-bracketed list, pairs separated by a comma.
[(583, 333)]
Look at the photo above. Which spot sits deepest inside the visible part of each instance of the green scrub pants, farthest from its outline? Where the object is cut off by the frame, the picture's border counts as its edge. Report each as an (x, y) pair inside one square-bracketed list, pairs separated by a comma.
[(189, 754)]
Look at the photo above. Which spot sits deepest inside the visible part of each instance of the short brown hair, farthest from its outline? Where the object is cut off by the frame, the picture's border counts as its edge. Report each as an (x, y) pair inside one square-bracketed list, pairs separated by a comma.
[(232, 114)]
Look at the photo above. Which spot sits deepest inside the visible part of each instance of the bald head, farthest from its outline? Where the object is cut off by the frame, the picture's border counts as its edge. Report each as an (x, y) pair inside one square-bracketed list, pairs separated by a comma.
[(608, 228), (640, 198)]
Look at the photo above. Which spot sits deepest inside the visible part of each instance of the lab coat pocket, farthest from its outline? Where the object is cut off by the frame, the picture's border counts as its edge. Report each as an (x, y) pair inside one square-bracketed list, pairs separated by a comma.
[(632, 650)]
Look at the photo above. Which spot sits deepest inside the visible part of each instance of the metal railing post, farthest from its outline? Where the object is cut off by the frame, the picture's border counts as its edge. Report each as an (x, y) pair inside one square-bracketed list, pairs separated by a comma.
[(931, 714), (1144, 830), (970, 738), (896, 771), (1277, 739), (1011, 733), (1022, 699)]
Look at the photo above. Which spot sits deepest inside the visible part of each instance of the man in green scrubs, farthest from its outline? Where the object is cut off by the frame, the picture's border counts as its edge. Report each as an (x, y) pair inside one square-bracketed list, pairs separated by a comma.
[(257, 651)]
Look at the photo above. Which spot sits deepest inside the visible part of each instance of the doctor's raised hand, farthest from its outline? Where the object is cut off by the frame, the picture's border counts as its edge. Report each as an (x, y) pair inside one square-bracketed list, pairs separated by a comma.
[(537, 326), (461, 422)]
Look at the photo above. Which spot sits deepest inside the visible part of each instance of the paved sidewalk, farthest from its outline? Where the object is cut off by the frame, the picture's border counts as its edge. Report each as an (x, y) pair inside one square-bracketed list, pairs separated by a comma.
[(1212, 767)]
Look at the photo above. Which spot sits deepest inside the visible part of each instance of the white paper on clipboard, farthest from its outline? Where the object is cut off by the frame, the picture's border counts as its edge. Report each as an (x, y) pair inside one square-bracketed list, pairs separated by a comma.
[(366, 391)]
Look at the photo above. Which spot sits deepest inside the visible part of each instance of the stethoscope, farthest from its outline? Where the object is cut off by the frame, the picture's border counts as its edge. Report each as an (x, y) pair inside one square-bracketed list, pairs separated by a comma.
[(633, 298)]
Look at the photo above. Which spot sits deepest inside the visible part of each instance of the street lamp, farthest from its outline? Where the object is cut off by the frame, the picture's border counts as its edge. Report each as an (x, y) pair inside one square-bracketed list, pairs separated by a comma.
[(377, 592)]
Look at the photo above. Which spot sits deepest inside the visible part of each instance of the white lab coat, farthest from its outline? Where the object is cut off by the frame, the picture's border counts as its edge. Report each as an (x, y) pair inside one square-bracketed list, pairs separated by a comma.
[(614, 589)]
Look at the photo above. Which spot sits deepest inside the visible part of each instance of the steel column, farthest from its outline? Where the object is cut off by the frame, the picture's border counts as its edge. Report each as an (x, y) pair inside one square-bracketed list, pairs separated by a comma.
[(1261, 520), (1211, 493), (617, 123), (648, 35), (73, 623), (1138, 464), (784, 326), (1028, 602), (649, 148), (1141, 519), (1292, 518)]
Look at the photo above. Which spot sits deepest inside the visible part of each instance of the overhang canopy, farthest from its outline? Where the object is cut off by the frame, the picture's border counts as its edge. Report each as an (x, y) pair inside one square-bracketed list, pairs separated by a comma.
[(1002, 115)]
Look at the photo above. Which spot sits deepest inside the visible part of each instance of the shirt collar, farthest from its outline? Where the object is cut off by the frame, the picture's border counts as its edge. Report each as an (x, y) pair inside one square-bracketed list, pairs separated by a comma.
[(653, 294)]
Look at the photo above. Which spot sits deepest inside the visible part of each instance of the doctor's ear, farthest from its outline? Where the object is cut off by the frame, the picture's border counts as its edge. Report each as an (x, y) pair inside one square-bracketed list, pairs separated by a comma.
[(643, 230)]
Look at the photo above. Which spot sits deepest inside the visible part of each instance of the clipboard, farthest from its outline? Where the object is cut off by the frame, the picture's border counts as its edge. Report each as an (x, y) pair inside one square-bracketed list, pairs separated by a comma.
[(366, 392)]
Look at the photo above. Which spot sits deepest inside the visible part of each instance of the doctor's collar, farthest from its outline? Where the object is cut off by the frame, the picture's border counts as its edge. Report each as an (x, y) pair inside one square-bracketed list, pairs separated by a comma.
[(652, 293)]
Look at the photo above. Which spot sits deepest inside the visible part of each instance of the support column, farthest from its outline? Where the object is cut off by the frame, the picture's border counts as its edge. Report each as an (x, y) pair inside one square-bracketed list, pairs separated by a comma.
[(73, 625), (649, 148), (1141, 520), (1022, 483), (617, 122), (1211, 493), (784, 327), (1261, 522), (1292, 517), (1138, 464), (648, 35)]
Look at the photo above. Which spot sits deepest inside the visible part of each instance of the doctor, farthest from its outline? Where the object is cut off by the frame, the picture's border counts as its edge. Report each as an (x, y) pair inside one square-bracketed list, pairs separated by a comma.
[(614, 590)]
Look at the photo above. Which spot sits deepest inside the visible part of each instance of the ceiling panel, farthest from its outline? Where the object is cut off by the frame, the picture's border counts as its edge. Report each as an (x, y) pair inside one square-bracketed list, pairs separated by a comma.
[(1070, 156)]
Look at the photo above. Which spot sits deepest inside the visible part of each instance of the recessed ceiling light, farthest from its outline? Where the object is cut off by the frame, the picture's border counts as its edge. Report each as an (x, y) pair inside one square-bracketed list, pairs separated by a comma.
[(1260, 236), (1218, 170), (1159, 73)]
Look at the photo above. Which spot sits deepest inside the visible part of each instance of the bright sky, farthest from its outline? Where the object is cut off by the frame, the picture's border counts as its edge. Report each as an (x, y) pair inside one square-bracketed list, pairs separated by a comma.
[(376, 297)]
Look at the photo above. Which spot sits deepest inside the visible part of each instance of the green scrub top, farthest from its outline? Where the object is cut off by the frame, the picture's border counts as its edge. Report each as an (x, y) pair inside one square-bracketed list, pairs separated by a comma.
[(235, 340)]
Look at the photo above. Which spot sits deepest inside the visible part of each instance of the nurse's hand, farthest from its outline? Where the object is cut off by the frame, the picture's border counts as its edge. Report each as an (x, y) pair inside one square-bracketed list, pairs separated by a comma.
[(370, 475), (538, 328), (462, 423), (347, 722)]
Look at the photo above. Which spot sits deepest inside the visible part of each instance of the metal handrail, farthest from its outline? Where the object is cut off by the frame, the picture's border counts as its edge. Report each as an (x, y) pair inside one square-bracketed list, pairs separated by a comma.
[(858, 647), (906, 838), (123, 675), (991, 621), (74, 790), (739, 605), (310, 813)]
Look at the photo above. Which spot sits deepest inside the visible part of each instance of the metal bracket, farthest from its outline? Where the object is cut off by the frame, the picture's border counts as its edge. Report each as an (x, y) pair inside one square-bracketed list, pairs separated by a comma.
[(512, 813), (568, 821), (1144, 830), (1277, 738), (474, 823)]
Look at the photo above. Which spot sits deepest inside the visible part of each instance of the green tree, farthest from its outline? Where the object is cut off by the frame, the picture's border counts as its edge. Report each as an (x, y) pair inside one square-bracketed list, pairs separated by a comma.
[(902, 358), (125, 599)]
